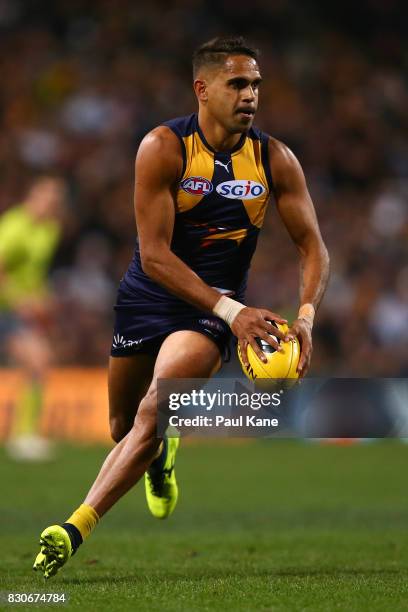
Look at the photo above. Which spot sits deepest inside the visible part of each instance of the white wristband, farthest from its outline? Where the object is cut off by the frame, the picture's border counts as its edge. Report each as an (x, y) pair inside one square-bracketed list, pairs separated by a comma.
[(307, 312), (227, 309)]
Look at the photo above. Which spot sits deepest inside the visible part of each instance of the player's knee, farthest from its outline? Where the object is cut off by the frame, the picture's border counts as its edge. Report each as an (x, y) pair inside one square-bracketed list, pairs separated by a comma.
[(119, 428)]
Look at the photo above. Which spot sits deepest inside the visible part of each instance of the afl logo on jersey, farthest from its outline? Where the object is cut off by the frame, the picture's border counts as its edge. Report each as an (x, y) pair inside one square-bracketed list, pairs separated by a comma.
[(197, 185), (240, 190)]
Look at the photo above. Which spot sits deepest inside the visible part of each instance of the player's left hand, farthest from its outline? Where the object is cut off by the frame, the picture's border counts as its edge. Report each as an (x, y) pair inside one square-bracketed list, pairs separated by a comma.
[(302, 330)]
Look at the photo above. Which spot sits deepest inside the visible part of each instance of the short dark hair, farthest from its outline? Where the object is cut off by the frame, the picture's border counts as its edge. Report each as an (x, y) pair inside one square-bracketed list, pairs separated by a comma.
[(216, 51)]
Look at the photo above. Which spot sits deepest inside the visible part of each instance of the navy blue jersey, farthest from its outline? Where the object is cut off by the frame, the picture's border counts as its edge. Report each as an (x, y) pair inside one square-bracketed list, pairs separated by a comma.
[(220, 207)]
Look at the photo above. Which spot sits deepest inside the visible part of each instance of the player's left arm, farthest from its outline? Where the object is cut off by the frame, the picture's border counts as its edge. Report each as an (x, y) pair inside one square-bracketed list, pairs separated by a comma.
[(297, 212)]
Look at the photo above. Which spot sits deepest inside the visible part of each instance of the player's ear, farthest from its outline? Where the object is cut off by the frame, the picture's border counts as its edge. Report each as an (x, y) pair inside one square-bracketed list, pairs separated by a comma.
[(200, 88)]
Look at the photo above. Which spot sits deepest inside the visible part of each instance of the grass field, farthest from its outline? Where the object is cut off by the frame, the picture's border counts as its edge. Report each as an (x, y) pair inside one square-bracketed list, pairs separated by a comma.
[(260, 526)]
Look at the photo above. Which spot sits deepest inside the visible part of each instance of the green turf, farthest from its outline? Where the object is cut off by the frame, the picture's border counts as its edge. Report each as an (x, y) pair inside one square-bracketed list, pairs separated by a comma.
[(278, 525)]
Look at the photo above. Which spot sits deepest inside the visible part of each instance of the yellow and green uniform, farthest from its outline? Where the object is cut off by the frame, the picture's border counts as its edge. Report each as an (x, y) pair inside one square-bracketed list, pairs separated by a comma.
[(26, 249)]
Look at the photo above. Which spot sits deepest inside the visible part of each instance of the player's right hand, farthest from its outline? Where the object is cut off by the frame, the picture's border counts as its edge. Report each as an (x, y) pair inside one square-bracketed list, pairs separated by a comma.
[(251, 323)]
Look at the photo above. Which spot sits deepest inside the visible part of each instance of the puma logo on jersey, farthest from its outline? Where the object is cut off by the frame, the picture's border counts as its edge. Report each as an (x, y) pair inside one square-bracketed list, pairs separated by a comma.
[(218, 163)]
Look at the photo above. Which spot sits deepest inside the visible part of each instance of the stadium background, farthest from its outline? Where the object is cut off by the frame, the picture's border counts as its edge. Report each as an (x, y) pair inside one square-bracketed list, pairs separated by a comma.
[(286, 525), (83, 81)]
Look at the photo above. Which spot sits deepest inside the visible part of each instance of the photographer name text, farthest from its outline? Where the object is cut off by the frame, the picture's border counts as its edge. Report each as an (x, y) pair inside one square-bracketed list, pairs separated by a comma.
[(221, 421)]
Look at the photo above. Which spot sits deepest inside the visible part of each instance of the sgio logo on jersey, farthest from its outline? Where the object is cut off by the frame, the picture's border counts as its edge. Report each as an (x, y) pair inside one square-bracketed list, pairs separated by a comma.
[(240, 190), (197, 185)]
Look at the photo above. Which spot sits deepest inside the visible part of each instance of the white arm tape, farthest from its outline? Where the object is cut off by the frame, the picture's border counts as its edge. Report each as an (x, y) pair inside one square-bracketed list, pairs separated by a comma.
[(227, 309), (307, 312)]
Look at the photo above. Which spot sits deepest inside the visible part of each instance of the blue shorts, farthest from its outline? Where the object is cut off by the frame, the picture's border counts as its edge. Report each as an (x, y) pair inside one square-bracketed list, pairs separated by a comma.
[(141, 327)]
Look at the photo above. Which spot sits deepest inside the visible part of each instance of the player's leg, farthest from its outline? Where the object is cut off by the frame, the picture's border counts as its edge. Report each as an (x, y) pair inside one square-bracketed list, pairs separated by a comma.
[(160, 478), (184, 354), (129, 378)]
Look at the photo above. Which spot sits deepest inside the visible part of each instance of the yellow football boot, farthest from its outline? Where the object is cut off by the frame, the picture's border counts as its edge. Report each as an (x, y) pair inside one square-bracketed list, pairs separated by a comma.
[(160, 482), (56, 549)]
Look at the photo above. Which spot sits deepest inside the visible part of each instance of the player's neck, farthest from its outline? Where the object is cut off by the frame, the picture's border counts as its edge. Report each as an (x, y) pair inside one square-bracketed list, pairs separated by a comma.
[(216, 136)]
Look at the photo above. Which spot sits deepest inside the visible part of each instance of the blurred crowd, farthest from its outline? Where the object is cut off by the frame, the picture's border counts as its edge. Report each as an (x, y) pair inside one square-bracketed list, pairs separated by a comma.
[(84, 80)]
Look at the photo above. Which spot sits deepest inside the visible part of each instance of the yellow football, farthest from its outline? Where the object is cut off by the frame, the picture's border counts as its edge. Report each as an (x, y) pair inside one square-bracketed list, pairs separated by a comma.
[(280, 364)]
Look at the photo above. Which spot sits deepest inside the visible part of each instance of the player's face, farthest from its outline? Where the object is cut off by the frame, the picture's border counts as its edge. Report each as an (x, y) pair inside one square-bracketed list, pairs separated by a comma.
[(233, 93)]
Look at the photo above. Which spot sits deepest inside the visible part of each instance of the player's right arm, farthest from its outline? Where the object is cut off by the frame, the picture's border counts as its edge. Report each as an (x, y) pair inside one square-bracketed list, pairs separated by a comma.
[(158, 169)]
